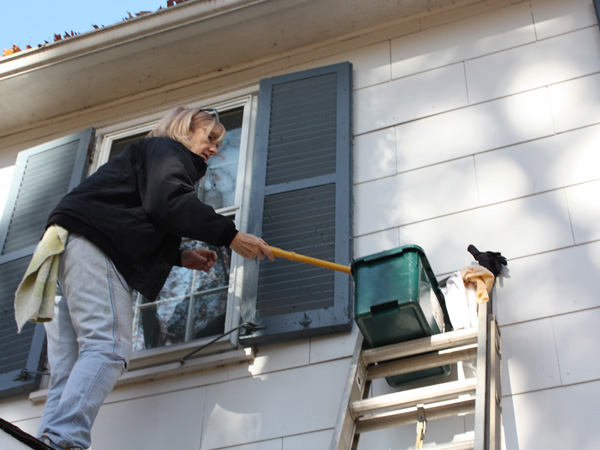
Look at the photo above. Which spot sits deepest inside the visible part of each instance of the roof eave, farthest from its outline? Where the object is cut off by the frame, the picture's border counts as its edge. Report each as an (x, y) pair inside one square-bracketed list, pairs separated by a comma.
[(190, 40)]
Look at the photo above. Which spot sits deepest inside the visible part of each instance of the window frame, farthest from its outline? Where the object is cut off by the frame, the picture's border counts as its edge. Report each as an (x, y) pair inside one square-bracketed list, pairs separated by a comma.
[(106, 136)]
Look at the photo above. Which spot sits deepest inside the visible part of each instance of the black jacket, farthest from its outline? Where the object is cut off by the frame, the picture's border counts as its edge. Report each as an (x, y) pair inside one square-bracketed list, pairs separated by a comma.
[(138, 206)]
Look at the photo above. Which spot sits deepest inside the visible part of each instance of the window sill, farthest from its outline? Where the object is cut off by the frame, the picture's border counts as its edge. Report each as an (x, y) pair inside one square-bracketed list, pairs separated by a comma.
[(172, 369)]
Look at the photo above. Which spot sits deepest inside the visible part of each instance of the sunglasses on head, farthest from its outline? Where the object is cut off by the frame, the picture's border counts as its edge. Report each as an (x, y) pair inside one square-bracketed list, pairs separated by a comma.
[(211, 110)]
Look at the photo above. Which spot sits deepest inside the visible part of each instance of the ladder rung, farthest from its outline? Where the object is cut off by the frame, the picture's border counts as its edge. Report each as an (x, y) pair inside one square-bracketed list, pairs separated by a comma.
[(410, 415), (426, 361), (407, 399), (422, 345)]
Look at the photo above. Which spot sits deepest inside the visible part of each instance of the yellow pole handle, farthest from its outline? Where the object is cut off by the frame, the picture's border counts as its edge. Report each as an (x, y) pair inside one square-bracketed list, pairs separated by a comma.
[(293, 256)]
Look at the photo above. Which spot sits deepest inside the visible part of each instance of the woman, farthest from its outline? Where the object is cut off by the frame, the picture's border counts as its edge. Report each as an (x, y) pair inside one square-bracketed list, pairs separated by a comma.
[(125, 225)]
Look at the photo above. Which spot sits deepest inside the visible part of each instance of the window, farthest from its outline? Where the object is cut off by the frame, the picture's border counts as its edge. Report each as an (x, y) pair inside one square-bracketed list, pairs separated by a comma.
[(194, 305)]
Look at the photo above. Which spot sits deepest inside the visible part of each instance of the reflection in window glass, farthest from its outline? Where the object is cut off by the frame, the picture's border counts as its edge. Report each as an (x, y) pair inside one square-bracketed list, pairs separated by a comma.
[(193, 304), (172, 319), (117, 147), (217, 188)]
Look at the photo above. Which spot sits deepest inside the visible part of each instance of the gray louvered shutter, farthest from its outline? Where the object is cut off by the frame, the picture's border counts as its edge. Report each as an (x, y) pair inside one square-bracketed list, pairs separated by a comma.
[(42, 176), (301, 202)]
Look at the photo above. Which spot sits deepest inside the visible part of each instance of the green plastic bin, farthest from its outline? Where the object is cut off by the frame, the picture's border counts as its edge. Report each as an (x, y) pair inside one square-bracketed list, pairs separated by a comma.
[(397, 299)]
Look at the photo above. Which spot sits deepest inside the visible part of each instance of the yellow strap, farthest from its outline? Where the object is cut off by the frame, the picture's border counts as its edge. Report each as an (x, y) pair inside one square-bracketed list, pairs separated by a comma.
[(421, 426), (420, 434), (293, 256)]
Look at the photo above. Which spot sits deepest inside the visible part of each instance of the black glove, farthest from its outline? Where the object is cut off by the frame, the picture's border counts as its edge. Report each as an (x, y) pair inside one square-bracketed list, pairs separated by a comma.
[(493, 261)]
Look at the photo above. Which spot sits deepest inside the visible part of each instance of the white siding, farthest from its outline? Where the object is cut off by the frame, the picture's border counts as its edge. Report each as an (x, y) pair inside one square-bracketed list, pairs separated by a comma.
[(575, 103), (529, 135), (472, 130), (551, 61), (553, 419), (6, 175), (409, 98), (462, 40)]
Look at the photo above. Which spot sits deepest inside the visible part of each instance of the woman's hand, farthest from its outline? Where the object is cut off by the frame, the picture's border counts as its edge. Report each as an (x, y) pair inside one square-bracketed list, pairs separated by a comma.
[(198, 259), (250, 246)]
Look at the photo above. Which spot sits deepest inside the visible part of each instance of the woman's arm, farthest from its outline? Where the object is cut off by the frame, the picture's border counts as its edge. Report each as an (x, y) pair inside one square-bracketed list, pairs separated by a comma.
[(250, 246), (198, 259)]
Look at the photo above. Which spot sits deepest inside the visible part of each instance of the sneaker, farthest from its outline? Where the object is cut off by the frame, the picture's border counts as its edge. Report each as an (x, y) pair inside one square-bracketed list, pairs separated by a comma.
[(46, 440)]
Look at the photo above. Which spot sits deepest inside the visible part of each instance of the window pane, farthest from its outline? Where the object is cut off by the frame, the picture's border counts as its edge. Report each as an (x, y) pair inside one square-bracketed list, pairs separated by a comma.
[(160, 324), (119, 145), (217, 188), (218, 185), (209, 314), (179, 283), (165, 322), (219, 274), (176, 314)]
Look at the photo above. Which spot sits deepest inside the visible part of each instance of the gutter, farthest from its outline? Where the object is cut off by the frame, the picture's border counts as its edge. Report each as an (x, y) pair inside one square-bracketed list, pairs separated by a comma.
[(171, 18)]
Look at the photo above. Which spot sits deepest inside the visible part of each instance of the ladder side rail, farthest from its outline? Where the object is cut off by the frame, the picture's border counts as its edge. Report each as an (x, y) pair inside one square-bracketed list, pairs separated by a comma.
[(343, 433), (495, 389), (482, 397), (361, 394)]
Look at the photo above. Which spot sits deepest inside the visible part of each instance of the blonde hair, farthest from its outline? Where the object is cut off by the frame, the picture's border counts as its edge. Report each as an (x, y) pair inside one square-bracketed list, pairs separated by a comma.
[(180, 122)]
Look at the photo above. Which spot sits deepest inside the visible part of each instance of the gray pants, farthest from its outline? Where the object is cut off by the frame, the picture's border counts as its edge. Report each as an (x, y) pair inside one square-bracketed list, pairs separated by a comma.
[(89, 342)]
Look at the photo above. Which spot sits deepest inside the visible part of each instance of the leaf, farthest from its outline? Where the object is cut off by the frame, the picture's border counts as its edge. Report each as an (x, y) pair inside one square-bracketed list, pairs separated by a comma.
[(11, 51), (59, 37)]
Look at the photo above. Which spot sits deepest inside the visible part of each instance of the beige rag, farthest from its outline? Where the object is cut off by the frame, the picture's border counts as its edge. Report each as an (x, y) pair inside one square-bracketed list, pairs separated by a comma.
[(481, 278), (34, 299)]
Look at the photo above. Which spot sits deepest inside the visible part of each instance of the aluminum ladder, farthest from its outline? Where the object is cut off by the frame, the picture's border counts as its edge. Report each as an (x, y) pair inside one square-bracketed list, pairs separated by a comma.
[(481, 394)]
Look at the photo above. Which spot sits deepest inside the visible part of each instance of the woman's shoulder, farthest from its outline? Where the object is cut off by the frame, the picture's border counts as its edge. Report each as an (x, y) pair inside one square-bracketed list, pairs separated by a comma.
[(165, 142), (161, 147), (169, 153)]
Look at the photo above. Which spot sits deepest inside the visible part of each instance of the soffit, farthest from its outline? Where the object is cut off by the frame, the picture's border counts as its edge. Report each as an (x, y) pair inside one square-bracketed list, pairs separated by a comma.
[(190, 40)]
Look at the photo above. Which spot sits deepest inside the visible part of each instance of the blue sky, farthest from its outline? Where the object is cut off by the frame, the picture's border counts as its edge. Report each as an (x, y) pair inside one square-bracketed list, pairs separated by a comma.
[(33, 22)]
